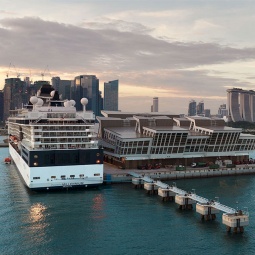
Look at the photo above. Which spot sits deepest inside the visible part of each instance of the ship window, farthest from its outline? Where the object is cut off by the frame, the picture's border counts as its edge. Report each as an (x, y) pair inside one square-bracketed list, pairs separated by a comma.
[(72, 176), (96, 174), (53, 177), (63, 176), (36, 178), (81, 175)]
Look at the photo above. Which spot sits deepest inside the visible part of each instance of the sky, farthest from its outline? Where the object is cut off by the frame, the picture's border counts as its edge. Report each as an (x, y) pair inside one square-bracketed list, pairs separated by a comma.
[(176, 50)]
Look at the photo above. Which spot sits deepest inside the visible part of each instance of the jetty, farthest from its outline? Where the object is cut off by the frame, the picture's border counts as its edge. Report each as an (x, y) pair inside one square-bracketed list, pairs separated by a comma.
[(232, 218)]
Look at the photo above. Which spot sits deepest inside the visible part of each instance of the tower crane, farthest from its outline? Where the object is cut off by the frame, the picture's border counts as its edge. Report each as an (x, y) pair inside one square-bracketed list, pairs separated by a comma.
[(12, 66), (7, 74), (43, 73)]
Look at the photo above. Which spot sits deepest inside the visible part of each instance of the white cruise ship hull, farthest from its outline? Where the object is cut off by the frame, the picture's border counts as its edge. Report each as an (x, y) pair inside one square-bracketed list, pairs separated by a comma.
[(49, 177)]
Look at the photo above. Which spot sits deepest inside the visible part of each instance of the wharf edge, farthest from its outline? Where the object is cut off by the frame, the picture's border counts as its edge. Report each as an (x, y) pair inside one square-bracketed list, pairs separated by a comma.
[(114, 175)]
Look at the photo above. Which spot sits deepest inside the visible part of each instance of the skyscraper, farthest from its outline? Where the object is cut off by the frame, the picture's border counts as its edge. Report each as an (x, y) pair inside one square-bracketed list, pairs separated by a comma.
[(200, 108), (87, 86), (1, 105), (155, 104), (111, 95), (14, 95), (222, 112), (62, 86), (207, 113), (192, 111), (241, 104)]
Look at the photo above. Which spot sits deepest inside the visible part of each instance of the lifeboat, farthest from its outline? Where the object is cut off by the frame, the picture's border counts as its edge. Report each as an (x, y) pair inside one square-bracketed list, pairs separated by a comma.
[(7, 160)]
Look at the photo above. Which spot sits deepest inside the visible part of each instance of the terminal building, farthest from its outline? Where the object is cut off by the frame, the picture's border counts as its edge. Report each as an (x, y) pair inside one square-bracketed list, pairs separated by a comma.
[(132, 139)]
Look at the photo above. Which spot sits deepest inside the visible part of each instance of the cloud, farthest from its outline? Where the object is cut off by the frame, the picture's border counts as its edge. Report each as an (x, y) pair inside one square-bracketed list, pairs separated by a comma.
[(118, 50), (70, 47), (3, 12), (114, 24)]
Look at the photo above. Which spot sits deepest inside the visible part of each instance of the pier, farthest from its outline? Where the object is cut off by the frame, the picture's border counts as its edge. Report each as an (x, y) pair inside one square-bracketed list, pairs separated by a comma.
[(232, 218)]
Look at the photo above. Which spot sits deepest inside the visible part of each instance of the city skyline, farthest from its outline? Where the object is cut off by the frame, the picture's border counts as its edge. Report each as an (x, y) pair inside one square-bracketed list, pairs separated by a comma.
[(175, 50)]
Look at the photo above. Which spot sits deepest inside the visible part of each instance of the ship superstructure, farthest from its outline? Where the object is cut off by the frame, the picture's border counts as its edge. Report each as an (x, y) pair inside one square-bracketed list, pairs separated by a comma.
[(53, 145)]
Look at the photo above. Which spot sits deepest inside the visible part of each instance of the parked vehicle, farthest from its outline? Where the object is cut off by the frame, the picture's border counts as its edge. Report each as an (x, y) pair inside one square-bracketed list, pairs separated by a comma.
[(199, 164), (214, 166), (227, 162), (230, 165), (156, 166), (180, 168)]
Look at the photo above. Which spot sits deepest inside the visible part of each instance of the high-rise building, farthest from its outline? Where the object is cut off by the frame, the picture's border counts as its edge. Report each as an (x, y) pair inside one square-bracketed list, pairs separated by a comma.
[(1, 106), (192, 111), (222, 112), (111, 95), (155, 104), (245, 109), (241, 104), (233, 104), (62, 86), (207, 113), (200, 108), (14, 95), (87, 86)]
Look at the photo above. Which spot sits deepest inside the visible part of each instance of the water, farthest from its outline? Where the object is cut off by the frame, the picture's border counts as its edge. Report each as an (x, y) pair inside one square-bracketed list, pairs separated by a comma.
[(118, 219)]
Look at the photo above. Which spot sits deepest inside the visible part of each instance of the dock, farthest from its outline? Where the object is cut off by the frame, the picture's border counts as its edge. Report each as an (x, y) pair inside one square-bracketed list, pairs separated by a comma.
[(113, 174), (232, 218)]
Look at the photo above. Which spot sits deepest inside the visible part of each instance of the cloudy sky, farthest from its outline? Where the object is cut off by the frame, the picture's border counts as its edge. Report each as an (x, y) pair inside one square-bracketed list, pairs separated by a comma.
[(176, 50)]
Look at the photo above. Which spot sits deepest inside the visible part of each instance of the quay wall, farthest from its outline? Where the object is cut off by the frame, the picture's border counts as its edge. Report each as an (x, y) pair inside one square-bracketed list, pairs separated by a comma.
[(161, 174)]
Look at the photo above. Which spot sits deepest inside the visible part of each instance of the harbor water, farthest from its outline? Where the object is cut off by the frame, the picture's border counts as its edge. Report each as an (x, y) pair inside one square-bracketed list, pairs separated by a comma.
[(117, 219)]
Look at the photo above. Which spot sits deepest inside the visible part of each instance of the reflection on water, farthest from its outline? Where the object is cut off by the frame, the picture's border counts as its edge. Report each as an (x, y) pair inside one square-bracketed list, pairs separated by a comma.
[(37, 213), (119, 220), (98, 210), (37, 223)]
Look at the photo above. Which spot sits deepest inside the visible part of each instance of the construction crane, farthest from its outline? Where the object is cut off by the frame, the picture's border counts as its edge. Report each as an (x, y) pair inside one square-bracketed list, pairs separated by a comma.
[(7, 74), (12, 66), (17, 73), (31, 81), (43, 73)]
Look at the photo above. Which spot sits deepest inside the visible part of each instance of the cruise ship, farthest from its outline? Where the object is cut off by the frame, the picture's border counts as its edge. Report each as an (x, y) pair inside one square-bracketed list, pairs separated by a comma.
[(54, 146)]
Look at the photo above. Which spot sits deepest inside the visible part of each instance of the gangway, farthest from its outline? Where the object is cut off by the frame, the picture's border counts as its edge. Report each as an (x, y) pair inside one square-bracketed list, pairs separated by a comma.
[(231, 217)]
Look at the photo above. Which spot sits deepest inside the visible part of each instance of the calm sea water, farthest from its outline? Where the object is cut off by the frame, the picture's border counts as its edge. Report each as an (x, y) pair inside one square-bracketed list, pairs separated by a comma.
[(117, 219)]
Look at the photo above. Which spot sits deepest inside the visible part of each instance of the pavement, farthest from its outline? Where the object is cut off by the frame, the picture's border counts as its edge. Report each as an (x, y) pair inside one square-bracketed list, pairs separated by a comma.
[(112, 169)]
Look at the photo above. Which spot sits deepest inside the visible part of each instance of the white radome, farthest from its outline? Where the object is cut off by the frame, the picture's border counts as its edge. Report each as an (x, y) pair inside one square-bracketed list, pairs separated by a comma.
[(33, 100), (67, 103), (39, 102), (72, 102), (84, 101)]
